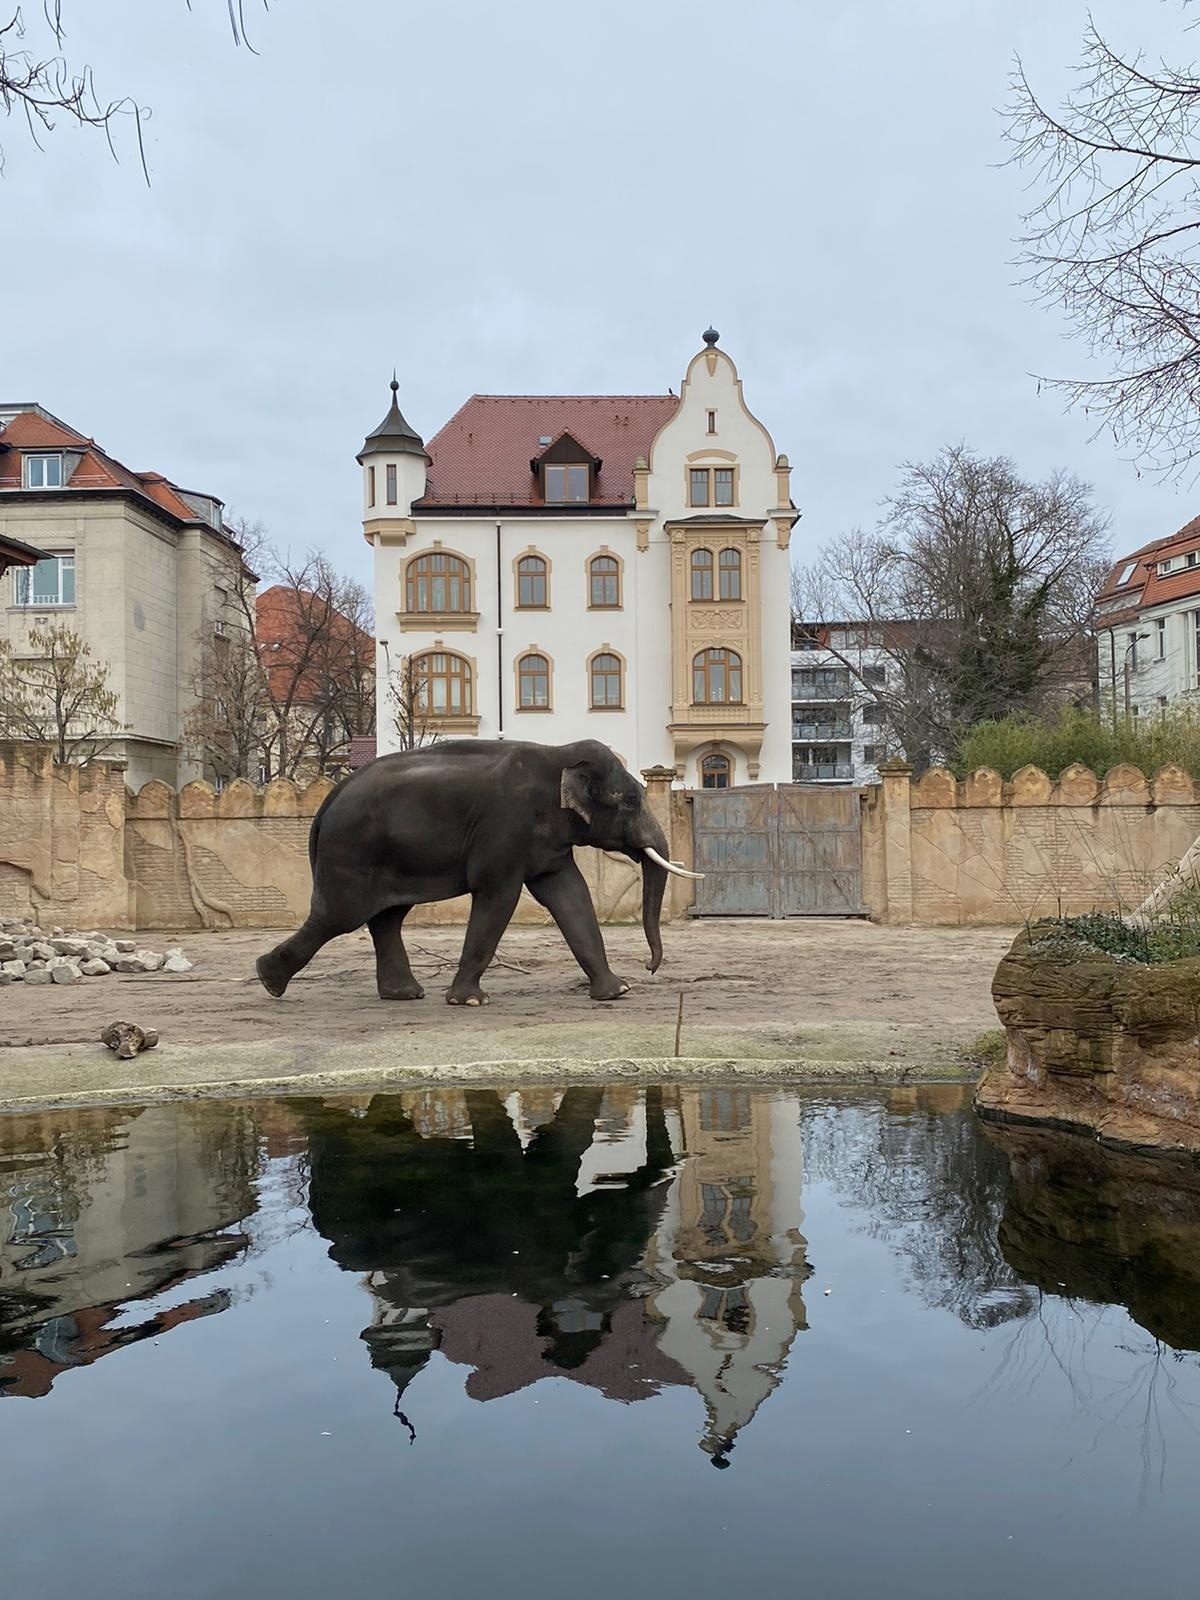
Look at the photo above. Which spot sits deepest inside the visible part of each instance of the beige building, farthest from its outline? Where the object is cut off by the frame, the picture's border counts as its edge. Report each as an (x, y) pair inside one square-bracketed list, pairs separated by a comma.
[(612, 567), (140, 568)]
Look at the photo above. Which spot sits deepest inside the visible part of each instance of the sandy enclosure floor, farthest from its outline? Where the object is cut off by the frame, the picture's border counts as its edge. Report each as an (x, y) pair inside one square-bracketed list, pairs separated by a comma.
[(774, 983)]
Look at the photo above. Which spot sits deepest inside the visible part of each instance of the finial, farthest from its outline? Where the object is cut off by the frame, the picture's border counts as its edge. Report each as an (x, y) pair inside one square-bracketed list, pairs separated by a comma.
[(711, 336), (394, 385)]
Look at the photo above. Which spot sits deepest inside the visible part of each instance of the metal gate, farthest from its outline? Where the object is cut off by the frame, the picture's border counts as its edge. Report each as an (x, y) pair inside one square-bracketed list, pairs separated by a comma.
[(792, 851)]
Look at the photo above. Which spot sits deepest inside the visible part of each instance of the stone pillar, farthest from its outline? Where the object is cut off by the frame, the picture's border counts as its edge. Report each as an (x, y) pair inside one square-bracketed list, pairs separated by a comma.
[(660, 802), (896, 780)]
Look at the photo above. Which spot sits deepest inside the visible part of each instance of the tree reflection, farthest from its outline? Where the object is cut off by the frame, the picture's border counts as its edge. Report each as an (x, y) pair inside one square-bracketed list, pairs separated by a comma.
[(914, 1162)]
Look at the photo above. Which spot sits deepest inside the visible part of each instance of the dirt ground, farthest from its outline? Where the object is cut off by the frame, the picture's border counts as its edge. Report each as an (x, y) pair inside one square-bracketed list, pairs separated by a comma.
[(845, 996)]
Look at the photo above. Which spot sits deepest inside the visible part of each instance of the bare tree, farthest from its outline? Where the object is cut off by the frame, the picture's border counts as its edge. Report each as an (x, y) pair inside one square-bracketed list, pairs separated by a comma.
[(317, 647), (977, 585), (408, 703), (58, 697), (231, 725), (1113, 238), (38, 82)]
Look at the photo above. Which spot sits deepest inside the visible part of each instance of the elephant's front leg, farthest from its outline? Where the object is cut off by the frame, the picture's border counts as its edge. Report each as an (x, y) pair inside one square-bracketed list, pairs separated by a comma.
[(491, 912), (565, 896)]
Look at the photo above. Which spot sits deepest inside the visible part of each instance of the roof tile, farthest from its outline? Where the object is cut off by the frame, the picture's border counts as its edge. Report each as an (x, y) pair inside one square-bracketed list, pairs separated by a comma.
[(482, 455)]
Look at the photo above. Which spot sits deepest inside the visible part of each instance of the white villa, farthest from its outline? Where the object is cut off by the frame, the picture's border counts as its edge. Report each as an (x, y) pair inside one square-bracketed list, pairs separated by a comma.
[(560, 567)]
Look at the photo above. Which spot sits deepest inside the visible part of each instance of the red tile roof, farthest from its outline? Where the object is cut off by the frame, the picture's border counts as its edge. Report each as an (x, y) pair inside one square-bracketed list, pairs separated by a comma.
[(1145, 586), (32, 430), (481, 457), (285, 624)]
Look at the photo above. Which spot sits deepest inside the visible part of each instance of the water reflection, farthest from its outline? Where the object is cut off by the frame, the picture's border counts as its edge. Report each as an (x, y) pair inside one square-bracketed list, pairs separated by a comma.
[(104, 1211), (624, 1239), (1105, 1226), (621, 1239)]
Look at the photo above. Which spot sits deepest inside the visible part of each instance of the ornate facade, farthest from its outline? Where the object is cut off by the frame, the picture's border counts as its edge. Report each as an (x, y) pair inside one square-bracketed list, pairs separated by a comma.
[(559, 567)]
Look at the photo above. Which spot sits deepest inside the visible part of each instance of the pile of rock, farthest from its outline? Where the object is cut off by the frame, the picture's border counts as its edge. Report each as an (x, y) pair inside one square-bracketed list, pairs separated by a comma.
[(29, 954)]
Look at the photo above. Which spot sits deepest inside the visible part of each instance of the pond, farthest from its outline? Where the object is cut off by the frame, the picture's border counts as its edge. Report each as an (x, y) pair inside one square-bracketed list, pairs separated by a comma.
[(664, 1340)]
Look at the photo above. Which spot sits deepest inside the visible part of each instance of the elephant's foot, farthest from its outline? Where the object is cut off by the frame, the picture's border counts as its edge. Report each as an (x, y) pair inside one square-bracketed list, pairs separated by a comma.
[(405, 989), (465, 994), (609, 987), (273, 975)]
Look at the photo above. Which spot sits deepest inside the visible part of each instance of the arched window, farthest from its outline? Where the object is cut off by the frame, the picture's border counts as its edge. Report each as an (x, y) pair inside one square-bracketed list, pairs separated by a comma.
[(729, 571), (533, 682), (702, 575), (438, 582), (604, 583), (715, 771), (443, 684), (606, 685), (532, 586), (717, 678)]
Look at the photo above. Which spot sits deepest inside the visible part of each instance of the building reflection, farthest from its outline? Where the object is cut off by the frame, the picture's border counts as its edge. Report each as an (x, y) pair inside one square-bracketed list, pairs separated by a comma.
[(1106, 1226), (100, 1211), (623, 1239)]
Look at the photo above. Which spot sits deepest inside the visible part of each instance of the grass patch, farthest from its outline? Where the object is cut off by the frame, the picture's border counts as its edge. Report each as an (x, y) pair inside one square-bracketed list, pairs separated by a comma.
[(990, 1049)]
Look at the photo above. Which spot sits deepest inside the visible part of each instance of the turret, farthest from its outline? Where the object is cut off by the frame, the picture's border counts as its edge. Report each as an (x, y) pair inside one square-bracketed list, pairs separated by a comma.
[(393, 460)]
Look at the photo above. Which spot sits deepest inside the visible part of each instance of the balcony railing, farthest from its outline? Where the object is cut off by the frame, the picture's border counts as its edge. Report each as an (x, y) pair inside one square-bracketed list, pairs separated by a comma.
[(820, 732), (823, 772), (823, 689)]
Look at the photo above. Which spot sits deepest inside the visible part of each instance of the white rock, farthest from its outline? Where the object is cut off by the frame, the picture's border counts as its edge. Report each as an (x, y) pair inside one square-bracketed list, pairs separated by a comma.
[(176, 961), (126, 946), (69, 947), (66, 973), (42, 950), (150, 959), (15, 969), (39, 975), (94, 968), (127, 964)]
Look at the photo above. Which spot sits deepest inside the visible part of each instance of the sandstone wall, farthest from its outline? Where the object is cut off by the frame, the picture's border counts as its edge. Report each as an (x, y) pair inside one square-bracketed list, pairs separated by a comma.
[(982, 850), (62, 840)]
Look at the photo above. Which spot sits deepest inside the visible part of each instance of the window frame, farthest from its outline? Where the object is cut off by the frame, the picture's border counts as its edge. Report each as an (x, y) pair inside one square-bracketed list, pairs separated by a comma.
[(1160, 625), (26, 577), (42, 457), (614, 577), (703, 664), (391, 492), (569, 471), (606, 652), (698, 569), (704, 480), (430, 675), (519, 578), (413, 576), (733, 568), (710, 762), (370, 487), (534, 654)]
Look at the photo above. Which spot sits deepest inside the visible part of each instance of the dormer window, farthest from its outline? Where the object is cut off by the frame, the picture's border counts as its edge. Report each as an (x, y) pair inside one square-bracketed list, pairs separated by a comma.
[(567, 471), (44, 472), (566, 483)]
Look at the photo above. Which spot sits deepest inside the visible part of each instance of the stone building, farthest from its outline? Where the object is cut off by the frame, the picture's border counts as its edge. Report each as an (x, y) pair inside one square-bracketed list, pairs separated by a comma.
[(140, 568), (1147, 626), (559, 567)]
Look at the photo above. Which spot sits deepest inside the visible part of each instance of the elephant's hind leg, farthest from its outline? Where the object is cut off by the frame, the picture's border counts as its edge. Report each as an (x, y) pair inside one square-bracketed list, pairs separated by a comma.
[(393, 975), (279, 966)]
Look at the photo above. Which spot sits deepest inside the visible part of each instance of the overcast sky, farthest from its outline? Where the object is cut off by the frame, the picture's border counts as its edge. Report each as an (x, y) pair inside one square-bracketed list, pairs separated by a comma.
[(549, 197)]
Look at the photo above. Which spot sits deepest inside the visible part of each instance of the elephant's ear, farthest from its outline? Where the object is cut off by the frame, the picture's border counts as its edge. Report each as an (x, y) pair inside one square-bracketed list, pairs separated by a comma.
[(575, 792)]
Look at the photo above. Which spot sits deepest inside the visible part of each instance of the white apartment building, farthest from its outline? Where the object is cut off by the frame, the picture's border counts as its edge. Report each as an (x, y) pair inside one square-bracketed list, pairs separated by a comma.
[(615, 567), (839, 726), (1147, 622), (141, 569)]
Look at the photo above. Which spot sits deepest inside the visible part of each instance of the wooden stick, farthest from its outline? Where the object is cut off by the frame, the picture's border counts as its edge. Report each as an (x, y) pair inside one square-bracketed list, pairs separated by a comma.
[(678, 1024)]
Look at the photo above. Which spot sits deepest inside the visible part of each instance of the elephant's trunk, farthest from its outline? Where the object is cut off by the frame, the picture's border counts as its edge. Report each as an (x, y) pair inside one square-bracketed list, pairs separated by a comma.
[(654, 883)]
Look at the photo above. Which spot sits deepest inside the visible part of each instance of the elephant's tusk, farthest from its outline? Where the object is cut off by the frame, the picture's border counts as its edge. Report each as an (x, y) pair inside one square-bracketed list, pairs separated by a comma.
[(671, 866)]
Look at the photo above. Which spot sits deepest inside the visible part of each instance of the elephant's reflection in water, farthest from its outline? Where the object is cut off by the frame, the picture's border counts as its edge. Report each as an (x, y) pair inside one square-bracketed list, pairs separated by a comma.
[(514, 1255)]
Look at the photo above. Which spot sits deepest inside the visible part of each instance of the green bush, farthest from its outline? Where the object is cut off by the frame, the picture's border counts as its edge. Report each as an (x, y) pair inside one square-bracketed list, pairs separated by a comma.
[(1171, 737), (1173, 936)]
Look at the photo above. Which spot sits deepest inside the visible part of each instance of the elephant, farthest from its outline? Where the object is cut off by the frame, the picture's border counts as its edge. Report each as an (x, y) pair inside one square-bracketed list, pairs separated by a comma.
[(481, 817)]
